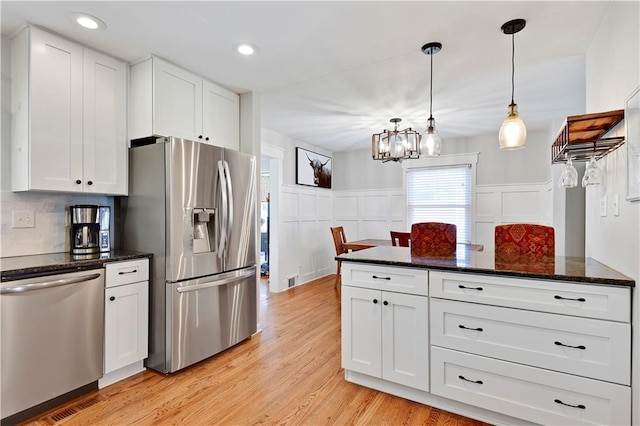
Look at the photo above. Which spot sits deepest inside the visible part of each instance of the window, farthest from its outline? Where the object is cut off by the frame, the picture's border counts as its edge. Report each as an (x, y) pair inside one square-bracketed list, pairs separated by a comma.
[(441, 194)]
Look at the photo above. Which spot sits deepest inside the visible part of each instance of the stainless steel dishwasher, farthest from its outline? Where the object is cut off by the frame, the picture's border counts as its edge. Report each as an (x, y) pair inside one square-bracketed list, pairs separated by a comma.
[(52, 337)]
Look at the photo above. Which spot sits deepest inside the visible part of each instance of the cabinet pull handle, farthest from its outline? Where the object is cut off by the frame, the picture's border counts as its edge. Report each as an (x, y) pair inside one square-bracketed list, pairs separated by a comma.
[(112, 298), (580, 299), (375, 301), (385, 303), (207, 138), (375, 277), (569, 346), (580, 406), (128, 272), (199, 136), (469, 328), (90, 182), (480, 382), (470, 288), (78, 181)]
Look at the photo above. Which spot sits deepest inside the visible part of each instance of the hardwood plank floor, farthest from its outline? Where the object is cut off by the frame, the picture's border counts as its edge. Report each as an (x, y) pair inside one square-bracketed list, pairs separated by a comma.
[(288, 374)]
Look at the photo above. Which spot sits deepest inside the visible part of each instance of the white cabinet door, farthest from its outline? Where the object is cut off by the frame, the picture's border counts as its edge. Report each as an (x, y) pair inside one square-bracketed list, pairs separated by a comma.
[(177, 101), (126, 325), (220, 116), (405, 340), (55, 119), (105, 124), (361, 331)]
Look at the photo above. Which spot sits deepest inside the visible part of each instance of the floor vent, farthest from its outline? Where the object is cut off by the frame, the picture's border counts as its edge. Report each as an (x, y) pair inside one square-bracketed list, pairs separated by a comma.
[(58, 416)]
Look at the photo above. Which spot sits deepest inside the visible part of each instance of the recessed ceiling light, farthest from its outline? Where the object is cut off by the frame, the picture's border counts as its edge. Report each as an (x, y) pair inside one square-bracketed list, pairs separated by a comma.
[(88, 21), (246, 49)]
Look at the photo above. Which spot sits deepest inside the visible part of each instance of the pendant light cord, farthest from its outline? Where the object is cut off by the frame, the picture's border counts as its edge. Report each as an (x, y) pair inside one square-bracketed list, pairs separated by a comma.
[(513, 64), (431, 88)]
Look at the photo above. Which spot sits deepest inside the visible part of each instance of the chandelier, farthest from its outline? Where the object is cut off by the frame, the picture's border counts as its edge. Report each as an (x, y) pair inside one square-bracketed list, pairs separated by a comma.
[(395, 145)]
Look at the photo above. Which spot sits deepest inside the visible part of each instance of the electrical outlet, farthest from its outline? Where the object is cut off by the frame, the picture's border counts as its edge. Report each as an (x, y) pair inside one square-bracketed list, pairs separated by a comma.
[(616, 205), (603, 206), (23, 219)]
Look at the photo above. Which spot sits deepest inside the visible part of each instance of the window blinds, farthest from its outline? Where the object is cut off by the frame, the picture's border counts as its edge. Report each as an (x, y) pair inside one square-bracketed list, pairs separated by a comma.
[(441, 194)]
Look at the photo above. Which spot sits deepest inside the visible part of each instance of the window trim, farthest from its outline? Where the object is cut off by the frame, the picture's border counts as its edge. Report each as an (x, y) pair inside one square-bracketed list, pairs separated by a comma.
[(444, 161)]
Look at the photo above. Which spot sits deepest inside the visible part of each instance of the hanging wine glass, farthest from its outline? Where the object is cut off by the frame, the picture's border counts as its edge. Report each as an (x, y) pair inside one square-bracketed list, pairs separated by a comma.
[(569, 176), (592, 174)]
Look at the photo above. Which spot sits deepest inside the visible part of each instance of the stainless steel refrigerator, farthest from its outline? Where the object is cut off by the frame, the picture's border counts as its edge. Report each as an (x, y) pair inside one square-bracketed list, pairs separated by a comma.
[(193, 206)]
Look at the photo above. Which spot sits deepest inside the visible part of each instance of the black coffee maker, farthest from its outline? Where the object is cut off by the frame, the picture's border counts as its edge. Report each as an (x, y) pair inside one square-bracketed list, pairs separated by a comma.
[(90, 229)]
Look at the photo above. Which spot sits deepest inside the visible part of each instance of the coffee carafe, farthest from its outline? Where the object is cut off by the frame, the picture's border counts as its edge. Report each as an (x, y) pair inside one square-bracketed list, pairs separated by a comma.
[(89, 229)]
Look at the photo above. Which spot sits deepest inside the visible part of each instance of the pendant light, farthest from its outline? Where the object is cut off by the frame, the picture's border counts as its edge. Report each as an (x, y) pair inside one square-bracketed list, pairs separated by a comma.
[(513, 132), (430, 143), (395, 145)]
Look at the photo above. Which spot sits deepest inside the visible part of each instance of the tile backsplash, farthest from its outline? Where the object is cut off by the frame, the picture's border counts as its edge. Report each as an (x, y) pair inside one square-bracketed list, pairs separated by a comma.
[(51, 231)]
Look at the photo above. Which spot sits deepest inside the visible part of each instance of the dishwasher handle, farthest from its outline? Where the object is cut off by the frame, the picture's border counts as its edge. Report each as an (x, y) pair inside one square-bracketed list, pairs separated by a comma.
[(48, 284), (215, 283)]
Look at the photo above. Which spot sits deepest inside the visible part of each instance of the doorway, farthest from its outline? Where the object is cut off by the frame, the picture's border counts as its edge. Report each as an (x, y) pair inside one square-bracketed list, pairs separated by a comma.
[(271, 163)]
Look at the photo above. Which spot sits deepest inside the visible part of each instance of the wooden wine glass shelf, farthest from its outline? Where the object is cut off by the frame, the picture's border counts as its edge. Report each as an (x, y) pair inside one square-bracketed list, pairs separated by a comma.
[(581, 136)]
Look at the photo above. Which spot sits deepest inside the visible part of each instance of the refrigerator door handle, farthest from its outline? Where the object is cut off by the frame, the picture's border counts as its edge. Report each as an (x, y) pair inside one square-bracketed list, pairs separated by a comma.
[(222, 231), (230, 201), (246, 274)]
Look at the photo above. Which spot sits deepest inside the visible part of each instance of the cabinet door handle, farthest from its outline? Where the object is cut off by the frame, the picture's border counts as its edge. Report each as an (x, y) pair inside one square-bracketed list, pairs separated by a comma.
[(375, 301), (375, 277), (128, 272), (200, 137), (569, 346), (90, 182), (580, 299), (480, 382), (78, 181), (207, 138), (385, 303), (470, 288), (580, 406), (112, 298), (469, 328)]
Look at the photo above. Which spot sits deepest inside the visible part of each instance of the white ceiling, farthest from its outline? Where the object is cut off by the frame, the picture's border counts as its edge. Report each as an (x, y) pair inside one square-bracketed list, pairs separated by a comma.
[(332, 73)]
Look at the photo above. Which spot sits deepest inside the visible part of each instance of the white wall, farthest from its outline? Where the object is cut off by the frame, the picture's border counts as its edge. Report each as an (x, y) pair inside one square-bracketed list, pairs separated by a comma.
[(613, 73)]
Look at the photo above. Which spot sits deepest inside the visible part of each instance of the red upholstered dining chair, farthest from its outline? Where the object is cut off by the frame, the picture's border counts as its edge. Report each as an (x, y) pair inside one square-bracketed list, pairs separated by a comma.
[(524, 239), (433, 239), (400, 239), (338, 241)]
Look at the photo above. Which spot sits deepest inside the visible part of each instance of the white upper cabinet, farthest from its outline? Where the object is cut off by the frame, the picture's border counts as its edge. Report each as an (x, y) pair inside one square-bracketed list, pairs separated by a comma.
[(69, 117), (167, 100)]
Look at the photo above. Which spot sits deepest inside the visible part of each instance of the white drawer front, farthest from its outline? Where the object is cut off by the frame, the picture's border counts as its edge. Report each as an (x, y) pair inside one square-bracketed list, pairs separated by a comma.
[(130, 271), (584, 300), (387, 278), (585, 347), (529, 393)]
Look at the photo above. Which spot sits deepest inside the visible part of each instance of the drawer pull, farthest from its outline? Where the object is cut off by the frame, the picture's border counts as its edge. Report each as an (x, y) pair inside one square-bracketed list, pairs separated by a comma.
[(128, 272), (569, 346), (375, 301), (470, 288), (479, 382), (469, 328), (375, 277), (580, 299), (582, 407)]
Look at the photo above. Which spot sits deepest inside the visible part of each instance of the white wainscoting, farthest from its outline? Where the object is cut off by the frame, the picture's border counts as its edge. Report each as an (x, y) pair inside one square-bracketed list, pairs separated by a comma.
[(499, 204), (306, 245)]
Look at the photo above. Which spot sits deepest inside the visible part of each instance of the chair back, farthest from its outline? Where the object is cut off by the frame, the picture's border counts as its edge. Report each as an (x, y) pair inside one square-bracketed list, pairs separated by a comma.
[(339, 239), (524, 239), (433, 239), (400, 239)]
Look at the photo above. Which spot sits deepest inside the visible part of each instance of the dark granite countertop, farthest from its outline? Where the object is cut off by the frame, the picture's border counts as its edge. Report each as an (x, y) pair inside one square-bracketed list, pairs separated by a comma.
[(573, 269), (19, 267)]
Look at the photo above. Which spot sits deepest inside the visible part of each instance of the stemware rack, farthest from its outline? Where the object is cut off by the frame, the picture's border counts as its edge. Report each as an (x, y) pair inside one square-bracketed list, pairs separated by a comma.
[(581, 136)]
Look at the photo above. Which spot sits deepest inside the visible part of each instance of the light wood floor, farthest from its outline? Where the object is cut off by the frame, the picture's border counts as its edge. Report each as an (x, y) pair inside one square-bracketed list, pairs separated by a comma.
[(287, 374)]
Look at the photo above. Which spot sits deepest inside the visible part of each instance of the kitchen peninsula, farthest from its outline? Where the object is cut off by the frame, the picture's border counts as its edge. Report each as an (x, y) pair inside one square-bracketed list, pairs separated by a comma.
[(545, 341)]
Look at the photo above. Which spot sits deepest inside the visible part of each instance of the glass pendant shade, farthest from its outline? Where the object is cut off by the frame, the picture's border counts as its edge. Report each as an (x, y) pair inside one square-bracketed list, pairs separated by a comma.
[(569, 176), (592, 174), (513, 132), (430, 142)]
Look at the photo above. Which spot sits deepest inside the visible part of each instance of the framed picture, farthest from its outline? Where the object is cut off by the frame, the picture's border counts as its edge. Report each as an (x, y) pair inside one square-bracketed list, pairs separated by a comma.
[(313, 169), (632, 125)]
